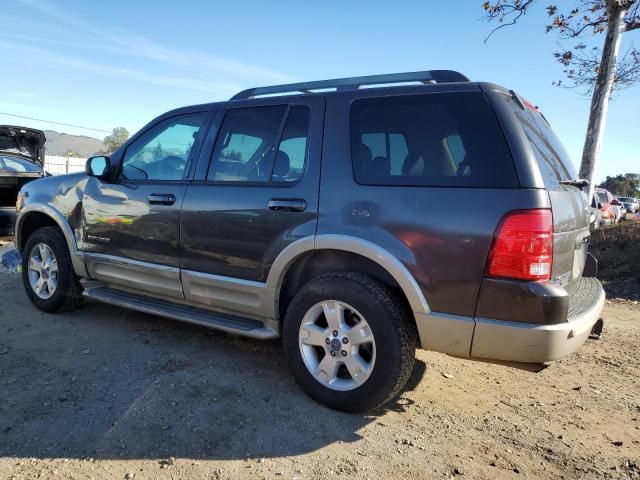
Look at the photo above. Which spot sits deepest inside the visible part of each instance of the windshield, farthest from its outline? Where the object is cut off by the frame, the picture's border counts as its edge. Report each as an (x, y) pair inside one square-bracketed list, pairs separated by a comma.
[(18, 165), (626, 199)]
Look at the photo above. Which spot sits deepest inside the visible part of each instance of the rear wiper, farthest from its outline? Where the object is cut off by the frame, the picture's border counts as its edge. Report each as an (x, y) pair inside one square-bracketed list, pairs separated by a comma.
[(578, 182)]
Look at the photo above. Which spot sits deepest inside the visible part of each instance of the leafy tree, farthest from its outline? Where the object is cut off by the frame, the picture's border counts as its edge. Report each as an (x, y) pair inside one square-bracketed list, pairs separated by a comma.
[(627, 185), (233, 155), (158, 152), (592, 66), (116, 139)]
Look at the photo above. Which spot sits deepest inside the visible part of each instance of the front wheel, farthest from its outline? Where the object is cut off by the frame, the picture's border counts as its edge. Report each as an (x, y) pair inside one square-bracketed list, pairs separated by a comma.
[(47, 272), (349, 341)]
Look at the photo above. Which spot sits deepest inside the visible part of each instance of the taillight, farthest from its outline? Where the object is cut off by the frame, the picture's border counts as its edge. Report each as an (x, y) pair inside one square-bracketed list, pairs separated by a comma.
[(522, 246)]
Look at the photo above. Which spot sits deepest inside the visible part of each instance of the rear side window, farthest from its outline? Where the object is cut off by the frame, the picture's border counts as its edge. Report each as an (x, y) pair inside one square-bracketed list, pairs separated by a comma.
[(442, 140), (292, 152), (554, 161), (245, 149), (261, 144)]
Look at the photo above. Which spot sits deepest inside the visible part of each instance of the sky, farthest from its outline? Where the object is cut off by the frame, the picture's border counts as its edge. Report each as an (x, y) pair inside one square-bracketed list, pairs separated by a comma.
[(101, 65)]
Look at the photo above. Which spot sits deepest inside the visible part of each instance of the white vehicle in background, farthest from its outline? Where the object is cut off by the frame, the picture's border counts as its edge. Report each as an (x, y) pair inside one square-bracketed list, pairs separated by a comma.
[(620, 212), (630, 204)]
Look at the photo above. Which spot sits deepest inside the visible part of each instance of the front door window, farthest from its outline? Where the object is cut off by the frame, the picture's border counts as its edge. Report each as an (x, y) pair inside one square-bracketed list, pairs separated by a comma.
[(163, 152)]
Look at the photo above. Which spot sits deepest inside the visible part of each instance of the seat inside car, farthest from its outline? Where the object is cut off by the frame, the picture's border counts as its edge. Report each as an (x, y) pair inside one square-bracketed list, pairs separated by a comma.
[(282, 166)]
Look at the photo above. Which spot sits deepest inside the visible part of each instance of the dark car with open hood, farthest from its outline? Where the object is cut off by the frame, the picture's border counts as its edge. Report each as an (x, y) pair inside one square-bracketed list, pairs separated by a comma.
[(21, 161)]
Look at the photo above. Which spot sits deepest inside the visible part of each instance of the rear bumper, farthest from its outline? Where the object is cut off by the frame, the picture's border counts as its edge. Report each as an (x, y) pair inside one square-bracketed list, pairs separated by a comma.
[(518, 341), (535, 343)]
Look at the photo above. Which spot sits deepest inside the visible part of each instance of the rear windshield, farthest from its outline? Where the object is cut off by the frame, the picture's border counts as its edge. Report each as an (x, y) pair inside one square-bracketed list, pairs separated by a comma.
[(438, 139), (602, 197), (554, 161), (18, 165)]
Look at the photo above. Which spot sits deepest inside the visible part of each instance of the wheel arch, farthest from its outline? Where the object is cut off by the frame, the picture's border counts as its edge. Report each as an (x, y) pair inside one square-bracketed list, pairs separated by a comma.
[(35, 216), (328, 253)]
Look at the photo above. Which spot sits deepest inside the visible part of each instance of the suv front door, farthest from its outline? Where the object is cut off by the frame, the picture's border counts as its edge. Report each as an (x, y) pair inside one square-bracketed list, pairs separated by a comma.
[(131, 222), (256, 193)]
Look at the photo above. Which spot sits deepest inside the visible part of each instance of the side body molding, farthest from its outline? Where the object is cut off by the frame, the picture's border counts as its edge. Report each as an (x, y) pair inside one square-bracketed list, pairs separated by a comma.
[(76, 256)]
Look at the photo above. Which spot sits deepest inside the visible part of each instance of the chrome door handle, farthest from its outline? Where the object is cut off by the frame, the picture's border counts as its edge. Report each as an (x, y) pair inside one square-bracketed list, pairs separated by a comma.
[(287, 205), (161, 199)]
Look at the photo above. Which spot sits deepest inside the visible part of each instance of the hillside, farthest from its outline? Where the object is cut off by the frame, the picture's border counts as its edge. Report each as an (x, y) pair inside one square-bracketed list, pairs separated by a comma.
[(61, 143)]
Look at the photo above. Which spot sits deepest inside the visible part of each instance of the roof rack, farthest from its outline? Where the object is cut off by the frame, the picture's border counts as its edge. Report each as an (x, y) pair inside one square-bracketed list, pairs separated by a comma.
[(354, 83)]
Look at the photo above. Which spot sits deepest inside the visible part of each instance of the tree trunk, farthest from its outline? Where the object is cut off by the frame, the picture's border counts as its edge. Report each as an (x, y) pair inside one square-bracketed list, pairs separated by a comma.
[(616, 10)]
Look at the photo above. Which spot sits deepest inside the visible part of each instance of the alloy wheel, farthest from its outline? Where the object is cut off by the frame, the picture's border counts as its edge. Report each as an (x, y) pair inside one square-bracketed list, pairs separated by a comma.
[(43, 271), (337, 345)]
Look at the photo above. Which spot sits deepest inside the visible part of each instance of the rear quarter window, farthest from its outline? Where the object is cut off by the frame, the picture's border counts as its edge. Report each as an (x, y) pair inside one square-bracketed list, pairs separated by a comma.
[(553, 160), (438, 139)]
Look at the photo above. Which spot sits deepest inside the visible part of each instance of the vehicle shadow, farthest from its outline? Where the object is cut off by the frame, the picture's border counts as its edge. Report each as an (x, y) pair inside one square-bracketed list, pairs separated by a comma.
[(105, 382)]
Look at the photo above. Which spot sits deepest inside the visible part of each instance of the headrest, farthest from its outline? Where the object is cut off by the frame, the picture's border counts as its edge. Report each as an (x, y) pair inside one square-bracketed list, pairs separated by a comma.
[(380, 167)]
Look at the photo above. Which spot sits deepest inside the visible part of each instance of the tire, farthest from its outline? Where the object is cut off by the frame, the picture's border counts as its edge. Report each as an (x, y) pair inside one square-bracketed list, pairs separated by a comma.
[(389, 358), (67, 293)]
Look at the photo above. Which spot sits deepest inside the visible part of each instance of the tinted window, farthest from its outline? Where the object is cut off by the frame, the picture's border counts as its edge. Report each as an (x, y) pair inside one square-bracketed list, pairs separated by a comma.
[(12, 164), (163, 152), (383, 145), (439, 139), (555, 163), (292, 152), (245, 147), (246, 150)]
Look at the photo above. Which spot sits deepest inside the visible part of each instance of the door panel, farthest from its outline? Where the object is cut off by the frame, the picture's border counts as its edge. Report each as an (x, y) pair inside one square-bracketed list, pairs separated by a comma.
[(119, 220), (237, 228), (136, 242)]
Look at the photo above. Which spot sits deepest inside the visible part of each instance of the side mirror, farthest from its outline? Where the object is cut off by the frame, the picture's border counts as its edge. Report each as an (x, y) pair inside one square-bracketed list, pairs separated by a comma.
[(599, 206), (97, 166)]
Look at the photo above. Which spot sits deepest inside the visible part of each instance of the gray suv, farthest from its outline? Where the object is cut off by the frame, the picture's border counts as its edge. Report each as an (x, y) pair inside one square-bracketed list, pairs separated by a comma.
[(320, 213)]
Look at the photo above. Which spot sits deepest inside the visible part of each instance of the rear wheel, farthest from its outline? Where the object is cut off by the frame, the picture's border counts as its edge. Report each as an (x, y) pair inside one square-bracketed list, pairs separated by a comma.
[(349, 341), (47, 272)]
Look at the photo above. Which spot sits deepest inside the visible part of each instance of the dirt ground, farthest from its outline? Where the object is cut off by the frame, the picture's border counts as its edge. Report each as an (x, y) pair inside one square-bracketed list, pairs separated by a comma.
[(109, 393), (617, 248)]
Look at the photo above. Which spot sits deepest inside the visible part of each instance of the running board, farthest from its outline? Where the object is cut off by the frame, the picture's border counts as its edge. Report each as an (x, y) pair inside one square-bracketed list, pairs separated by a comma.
[(199, 316)]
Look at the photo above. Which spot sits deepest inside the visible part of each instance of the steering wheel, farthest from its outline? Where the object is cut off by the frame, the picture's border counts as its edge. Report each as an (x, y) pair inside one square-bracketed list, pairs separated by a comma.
[(253, 170)]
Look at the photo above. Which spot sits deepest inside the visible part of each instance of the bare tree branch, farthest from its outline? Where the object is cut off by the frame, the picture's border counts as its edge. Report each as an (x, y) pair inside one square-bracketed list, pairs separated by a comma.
[(582, 66), (598, 70), (502, 10), (587, 18), (632, 20)]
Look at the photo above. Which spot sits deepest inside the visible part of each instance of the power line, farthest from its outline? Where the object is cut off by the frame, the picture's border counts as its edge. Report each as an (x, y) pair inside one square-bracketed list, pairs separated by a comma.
[(54, 123)]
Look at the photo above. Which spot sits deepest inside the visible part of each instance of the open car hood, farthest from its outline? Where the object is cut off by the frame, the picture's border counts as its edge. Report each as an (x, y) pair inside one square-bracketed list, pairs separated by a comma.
[(23, 142)]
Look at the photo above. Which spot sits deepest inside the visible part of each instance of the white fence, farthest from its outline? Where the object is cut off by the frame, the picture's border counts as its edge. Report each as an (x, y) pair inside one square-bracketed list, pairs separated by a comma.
[(56, 165)]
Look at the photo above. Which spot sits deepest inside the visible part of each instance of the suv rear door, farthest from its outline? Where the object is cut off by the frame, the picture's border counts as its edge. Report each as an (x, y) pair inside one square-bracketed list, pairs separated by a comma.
[(569, 204), (255, 193)]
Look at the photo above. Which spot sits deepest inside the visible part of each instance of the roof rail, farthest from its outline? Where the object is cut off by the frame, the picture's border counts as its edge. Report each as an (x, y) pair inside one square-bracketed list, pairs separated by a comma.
[(354, 83)]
